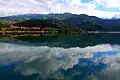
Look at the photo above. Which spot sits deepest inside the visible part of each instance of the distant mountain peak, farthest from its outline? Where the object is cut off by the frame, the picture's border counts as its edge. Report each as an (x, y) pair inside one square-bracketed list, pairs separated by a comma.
[(117, 16)]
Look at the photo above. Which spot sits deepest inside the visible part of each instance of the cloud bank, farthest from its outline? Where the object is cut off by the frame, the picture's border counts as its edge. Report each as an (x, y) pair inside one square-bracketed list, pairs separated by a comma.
[(15, 7)]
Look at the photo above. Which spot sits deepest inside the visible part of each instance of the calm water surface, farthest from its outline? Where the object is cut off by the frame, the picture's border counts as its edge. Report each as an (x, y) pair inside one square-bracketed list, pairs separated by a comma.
[(61, 57)]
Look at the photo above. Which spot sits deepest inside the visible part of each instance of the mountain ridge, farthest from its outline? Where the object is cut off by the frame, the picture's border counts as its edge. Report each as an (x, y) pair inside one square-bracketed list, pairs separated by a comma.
[(38, 16), (74, 20)]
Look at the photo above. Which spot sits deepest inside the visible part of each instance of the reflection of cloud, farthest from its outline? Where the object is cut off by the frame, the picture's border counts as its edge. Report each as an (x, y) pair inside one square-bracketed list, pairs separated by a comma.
[(111, 61), (107, 74), (45, 60), (83, 69), (112, 72)]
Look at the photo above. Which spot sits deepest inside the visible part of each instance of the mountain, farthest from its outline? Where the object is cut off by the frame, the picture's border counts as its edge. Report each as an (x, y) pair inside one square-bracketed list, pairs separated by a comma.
[(117, 16), (39, 16), (47, 23), (113, 24), (69, 19), (37, 23), (24, 16), (79, 19)]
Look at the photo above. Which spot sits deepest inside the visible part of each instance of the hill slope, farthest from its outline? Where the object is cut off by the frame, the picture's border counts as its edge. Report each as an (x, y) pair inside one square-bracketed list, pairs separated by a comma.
[(72, 20)]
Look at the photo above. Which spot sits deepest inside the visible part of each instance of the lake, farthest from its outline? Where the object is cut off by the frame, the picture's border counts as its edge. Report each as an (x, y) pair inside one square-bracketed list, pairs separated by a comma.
[(60, 57)]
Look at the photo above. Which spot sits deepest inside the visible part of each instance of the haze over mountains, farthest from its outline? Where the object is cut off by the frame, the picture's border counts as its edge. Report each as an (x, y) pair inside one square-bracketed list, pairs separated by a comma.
[(59, 16), (74, 20)]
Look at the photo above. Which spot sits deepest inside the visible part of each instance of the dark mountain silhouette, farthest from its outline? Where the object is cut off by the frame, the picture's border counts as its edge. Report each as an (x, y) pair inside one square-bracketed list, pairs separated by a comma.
[(74, 20), (39, 16), (47, 23), (36, 23)]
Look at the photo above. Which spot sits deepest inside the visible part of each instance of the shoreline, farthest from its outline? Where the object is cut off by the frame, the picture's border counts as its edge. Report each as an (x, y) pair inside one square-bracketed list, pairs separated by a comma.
[(104, 32)]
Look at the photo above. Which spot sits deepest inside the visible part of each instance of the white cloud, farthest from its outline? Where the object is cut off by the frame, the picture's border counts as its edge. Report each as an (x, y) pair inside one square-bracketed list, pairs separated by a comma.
[(108, 3), (13, 7), (83, 9)]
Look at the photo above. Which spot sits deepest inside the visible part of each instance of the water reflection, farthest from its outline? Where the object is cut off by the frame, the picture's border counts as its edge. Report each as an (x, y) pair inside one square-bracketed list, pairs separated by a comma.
[(63, 40), (59, 57)]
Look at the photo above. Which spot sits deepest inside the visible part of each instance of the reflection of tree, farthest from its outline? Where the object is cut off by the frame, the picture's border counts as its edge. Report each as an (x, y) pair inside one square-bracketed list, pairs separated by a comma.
[(67, 40)]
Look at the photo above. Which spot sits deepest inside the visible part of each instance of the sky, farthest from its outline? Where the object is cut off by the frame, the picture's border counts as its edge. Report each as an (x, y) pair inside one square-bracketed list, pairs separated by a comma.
[(99, 8)]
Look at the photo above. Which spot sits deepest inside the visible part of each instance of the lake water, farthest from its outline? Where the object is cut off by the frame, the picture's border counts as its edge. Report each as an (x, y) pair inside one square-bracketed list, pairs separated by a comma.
[(61, 57)]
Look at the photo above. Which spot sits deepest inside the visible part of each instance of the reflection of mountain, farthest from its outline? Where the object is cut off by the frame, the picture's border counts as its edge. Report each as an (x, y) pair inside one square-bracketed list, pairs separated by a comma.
[(38, 38), (88, 39), (66, 40)]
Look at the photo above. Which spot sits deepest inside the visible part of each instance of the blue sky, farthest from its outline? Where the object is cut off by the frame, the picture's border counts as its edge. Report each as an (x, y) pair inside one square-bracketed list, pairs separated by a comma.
[(102, 7), (86, 1), (99, 8)]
